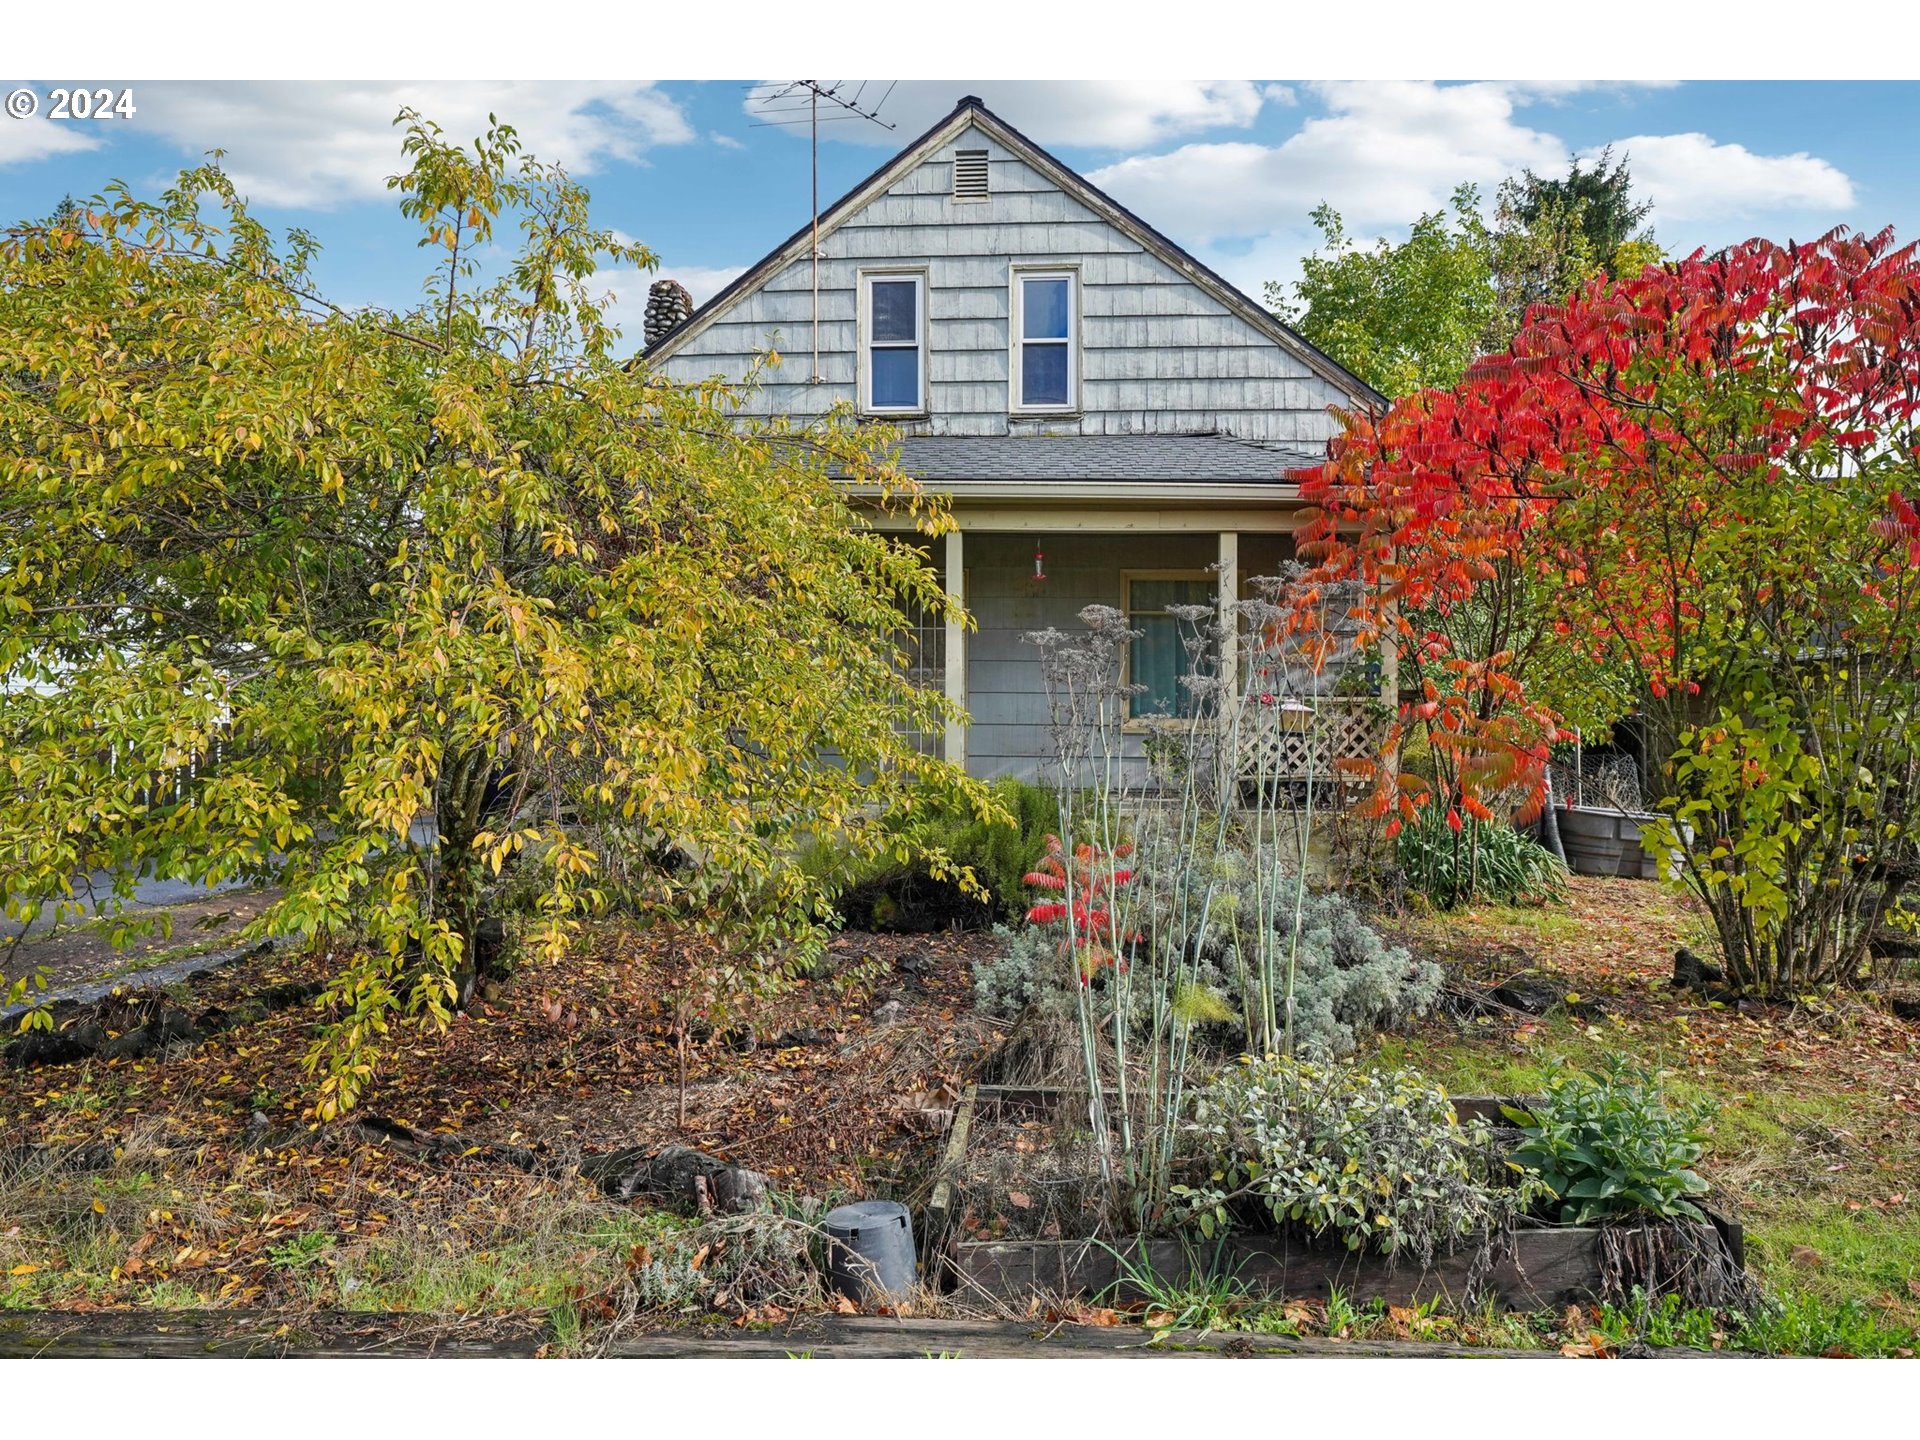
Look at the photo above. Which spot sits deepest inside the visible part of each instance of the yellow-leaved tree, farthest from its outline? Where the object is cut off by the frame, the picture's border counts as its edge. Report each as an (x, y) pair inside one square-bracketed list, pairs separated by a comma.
[(452, 595)]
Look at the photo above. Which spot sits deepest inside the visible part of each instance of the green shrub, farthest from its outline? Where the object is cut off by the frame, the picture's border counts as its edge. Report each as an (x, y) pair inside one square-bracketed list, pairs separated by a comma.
[(1479, 861), (885, 893), (1374, 1157), (1608, 1145)]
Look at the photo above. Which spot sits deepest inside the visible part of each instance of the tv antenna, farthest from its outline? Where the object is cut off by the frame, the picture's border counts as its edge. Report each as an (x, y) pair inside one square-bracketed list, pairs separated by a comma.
[(801, 99)]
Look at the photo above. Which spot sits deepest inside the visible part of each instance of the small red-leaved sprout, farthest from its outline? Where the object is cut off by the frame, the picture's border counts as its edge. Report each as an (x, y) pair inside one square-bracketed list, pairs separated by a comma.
[(1086, 881)]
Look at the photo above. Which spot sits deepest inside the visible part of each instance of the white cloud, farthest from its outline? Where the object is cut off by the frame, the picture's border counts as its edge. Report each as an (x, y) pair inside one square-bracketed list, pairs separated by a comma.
[(1384, 152), (313, 144), (1690, 177), (1119, 114), (24, 141)]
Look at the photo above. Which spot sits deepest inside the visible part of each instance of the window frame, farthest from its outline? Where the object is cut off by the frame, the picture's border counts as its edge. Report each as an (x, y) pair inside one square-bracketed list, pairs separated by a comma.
[(866, 343), (1016, 338), (1146, 724)]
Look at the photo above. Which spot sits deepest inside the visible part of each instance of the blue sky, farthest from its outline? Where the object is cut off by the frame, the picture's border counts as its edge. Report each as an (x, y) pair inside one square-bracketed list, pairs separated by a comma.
[(1231, 169)]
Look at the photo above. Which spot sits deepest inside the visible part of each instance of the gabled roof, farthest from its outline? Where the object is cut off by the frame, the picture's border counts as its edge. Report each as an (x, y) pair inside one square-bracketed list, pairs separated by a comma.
[(971, 111)]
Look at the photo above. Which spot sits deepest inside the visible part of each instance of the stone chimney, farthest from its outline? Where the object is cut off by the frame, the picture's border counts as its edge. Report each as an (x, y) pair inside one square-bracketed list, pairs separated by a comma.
[(668, 306)]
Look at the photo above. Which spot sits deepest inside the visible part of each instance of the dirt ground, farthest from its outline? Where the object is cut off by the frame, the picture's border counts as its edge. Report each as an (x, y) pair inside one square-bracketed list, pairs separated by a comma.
[(223, 1180)]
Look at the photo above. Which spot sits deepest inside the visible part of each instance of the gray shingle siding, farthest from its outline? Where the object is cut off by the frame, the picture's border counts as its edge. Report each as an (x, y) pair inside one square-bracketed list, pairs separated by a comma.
[(1160, 354)]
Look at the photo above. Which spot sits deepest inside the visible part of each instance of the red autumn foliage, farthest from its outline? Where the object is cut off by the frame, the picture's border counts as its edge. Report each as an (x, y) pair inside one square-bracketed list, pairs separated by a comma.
[(1087, 881), (1593, 456)]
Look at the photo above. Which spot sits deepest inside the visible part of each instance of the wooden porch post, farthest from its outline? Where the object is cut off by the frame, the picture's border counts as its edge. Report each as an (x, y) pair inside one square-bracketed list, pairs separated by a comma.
[(1229, 593), (955, 749)]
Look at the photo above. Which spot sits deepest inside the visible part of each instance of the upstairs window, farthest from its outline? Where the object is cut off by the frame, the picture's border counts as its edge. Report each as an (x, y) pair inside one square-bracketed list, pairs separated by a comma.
[(1046, 321), (893, 368)]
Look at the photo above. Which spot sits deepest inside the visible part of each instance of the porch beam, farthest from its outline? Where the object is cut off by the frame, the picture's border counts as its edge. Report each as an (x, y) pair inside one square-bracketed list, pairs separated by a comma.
[(955, 579)]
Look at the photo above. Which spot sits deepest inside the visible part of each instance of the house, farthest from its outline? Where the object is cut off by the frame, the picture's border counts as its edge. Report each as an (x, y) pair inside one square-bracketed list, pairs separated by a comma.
[(1112, 421)]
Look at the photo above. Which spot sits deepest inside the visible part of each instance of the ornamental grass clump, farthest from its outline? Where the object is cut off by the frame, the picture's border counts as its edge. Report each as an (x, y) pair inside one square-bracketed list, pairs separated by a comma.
[(1374, 1158), (1455, 860)]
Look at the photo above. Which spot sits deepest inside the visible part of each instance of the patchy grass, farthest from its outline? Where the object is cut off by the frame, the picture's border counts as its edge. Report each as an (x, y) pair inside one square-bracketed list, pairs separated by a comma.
[(1816, 1132)]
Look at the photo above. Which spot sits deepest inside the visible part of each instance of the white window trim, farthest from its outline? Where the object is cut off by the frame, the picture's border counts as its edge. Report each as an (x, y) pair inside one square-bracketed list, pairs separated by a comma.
[(1016, 310), (1146, 724), (865, 356)]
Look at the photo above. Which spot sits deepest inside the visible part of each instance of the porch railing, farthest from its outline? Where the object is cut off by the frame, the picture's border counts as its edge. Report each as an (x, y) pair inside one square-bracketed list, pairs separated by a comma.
[(1293, 741)]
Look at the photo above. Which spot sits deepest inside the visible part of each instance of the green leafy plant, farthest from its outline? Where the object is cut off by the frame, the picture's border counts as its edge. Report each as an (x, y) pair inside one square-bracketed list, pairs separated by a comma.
[(302, 1251), (340, 568), (1608, 1145), (941, 864), (1375, 1157)]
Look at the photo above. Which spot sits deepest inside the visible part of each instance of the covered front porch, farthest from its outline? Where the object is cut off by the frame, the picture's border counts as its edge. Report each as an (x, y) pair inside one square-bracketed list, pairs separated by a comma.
[(1018, 568)]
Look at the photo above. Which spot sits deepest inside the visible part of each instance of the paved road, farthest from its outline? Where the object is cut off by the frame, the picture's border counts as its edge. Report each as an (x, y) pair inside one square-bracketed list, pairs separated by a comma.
[(148, 893)]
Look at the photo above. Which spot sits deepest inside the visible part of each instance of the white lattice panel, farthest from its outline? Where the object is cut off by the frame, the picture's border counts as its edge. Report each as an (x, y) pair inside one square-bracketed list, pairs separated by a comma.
[(1283, 743)]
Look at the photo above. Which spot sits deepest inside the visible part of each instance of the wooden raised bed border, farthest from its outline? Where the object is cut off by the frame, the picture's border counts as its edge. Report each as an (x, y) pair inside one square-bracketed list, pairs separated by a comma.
[(1551, 1266)]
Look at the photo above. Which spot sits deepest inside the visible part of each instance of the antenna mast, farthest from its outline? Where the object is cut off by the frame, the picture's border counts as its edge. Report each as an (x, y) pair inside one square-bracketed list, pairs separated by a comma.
[(780, 99)]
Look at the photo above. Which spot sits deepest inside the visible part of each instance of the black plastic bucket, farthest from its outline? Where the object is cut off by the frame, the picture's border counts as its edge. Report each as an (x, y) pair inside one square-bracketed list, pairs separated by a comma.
[(870, 1250)]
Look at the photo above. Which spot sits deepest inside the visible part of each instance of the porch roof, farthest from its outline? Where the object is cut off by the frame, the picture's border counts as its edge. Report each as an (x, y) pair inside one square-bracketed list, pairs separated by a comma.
[(1195, 459)]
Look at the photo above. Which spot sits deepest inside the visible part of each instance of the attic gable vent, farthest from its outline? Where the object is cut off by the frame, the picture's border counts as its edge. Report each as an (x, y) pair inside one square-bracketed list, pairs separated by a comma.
[(969, 174)]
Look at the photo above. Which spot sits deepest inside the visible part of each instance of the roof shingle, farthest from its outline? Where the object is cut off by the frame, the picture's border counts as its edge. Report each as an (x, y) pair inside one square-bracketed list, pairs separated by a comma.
[(1195, 458)]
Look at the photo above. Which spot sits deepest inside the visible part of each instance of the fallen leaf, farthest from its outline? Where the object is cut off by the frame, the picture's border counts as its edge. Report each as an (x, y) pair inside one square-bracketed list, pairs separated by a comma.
[(1019, 1199)]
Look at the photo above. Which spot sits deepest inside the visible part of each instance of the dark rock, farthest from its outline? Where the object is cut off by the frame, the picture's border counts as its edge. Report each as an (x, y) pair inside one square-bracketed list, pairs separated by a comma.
[(737, 1190), (796, 1039), (55, 1047), (621, 1174), (889, 1012), (290, 993), (1530, 994), (677, 1173), (246, 1012), (169, 1027), (174, 1027), (128, 1045), (1690, 972)]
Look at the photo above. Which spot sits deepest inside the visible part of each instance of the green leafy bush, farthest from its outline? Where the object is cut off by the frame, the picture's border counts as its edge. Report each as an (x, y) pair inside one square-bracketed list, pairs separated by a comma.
[(890, 893), (1608, 1145), (1375, 1157), (1478, 861)]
